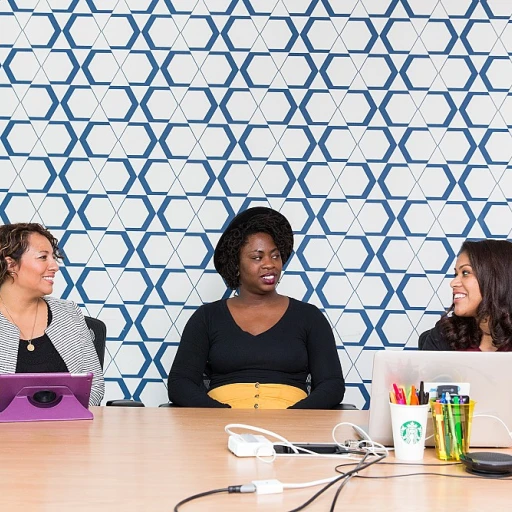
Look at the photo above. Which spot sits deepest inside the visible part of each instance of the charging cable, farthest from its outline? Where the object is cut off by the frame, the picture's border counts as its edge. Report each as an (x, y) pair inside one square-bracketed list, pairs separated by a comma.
[(496, 418), (371, 446)]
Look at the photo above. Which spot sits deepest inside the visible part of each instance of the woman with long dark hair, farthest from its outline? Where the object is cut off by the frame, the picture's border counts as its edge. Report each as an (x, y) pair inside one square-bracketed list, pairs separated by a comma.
[(480, 317)]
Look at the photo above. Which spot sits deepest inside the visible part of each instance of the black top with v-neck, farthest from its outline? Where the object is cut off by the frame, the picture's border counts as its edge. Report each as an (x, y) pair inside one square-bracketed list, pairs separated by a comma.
[(299, 344), (44, 358)]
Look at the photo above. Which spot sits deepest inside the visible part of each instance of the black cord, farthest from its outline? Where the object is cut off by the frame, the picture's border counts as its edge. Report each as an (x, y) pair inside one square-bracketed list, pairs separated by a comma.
[(436, 474), (200, 495), (504, 477), (437, 464), (244, 488), (341, 477), (347, 479), (338, 491)]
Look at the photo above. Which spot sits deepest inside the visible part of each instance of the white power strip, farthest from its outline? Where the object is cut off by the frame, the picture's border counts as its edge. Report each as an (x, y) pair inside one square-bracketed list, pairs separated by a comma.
[(248, 445)]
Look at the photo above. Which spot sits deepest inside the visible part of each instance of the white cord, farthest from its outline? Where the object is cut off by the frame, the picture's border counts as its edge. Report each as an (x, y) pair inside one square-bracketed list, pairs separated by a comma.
[(229, 426), (496, 418), (283, 441), (310, 484), (372, 446), (228, 431)]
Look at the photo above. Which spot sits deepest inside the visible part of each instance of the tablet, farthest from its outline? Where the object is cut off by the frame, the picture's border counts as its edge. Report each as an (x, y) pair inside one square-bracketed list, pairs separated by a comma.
[(45, 396)]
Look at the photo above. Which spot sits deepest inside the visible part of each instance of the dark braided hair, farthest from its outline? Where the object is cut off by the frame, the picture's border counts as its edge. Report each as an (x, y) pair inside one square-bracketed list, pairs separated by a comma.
[(491, 261), (227, 252), (14, 243)]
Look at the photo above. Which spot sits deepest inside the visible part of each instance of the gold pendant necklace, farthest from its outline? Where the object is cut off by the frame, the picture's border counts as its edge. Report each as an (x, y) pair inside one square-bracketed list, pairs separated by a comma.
[(30, 347)]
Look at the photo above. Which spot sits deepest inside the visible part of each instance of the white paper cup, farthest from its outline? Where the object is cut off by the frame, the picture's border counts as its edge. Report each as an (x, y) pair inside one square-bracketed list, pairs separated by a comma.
[(409, 423)]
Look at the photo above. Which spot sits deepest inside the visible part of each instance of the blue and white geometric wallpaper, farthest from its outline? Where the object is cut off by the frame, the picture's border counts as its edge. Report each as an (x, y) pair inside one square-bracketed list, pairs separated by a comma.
[(135, 130)]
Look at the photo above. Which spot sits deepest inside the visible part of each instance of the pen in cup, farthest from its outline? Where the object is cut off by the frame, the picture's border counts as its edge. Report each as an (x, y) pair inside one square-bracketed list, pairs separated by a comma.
[(455, 444)]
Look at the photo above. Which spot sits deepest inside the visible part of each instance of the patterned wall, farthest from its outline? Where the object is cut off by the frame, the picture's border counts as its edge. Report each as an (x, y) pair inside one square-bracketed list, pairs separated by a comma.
[(136, 129)]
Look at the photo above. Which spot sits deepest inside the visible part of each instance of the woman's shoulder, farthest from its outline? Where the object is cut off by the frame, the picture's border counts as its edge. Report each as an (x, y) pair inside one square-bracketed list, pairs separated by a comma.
[(433, 339), (305, 308), (212, 306), (60, 304), (209, 309)]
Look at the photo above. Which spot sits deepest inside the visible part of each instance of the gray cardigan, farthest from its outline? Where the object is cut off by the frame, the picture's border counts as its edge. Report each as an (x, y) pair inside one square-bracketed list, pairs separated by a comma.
[(69, 334)]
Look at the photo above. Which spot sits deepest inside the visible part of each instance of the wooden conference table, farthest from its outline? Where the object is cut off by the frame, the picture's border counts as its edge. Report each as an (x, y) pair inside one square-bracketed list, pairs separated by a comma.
[(148, 459)]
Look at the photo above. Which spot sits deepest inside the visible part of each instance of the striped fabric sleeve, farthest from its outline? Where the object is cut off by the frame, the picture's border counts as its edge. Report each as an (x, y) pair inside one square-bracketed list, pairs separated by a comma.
[(72, 339), (90, 361)]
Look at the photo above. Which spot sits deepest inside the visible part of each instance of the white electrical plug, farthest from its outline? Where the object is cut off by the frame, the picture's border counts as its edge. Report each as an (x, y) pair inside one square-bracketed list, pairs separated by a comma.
[(248, 445), (268, 486)]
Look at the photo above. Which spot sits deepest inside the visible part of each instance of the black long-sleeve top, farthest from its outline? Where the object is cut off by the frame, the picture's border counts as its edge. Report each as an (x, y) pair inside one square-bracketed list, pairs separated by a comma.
[(299, 344)]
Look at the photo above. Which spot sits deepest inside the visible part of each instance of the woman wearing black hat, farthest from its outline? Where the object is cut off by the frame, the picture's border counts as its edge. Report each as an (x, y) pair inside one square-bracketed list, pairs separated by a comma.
[(258, 348)]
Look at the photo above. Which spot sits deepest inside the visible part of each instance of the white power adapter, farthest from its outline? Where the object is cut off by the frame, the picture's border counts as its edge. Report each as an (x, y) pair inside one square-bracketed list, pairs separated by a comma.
[(248, 445)]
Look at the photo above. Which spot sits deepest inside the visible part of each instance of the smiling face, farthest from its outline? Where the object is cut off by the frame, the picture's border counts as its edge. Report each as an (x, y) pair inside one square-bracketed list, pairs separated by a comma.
[(260, 264), (36, 269), (465, 287)]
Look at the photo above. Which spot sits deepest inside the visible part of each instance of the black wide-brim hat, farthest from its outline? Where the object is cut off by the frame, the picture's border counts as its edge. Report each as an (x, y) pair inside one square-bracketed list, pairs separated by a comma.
[(249, 219)]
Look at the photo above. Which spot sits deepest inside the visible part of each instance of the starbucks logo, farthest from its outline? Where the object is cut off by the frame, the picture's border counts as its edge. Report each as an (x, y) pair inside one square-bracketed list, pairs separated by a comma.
[(411, 432)]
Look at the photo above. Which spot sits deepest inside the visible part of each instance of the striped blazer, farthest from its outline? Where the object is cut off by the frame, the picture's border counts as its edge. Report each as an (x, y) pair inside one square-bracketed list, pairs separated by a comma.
[(69, 334)]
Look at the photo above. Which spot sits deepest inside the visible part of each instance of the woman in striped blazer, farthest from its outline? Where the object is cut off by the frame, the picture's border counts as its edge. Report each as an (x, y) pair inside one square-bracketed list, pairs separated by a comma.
[(39, 333)]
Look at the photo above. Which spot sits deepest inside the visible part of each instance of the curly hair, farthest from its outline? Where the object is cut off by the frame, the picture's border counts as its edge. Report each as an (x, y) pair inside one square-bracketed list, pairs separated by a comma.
[(14, 243), (228, 249), (491, 261)]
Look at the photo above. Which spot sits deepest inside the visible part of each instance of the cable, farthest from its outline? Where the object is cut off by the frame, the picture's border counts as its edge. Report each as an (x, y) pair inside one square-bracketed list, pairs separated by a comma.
[(433, 474), (373, 449), (496, 418), (341, 477), (284, 442), (372, 446), (339, 489), (246, 488), (384, 477)]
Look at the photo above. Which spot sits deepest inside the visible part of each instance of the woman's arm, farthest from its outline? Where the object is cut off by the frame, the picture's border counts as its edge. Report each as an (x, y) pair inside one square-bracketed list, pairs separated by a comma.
[(327, 382), (90, 361), (185, 383)]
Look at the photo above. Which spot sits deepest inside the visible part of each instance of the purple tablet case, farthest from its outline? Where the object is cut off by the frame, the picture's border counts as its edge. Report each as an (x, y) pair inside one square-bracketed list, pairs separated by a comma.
[(71, 402)]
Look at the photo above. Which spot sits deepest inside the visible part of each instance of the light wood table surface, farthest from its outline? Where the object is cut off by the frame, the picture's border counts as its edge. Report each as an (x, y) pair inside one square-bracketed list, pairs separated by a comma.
[(148, 459)]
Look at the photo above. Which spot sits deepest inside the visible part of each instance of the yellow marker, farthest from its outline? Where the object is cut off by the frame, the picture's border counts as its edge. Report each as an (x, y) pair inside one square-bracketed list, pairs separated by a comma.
[(440, 430)]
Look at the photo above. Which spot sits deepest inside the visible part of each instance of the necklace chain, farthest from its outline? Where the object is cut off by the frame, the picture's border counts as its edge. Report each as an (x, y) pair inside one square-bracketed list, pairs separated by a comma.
[(30, 345)]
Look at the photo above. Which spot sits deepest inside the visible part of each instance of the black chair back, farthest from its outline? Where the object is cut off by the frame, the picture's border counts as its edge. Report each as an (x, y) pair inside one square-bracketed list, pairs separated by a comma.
[(99, 336)]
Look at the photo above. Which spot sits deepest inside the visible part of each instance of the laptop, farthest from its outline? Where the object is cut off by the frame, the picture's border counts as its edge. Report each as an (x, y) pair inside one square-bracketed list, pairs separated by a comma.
[(489, 375), (45, 396)]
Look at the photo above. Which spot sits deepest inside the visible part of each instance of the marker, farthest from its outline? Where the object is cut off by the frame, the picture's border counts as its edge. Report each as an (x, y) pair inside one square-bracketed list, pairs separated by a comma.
[(421, 395), (458, 423), (438, 410), (455, 443), (400, 398), (448, 444), (414, 396)]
